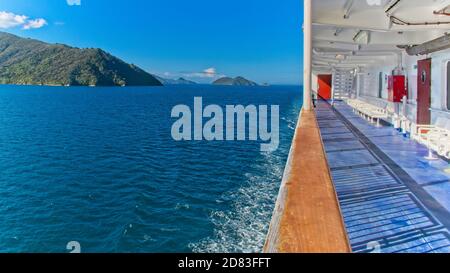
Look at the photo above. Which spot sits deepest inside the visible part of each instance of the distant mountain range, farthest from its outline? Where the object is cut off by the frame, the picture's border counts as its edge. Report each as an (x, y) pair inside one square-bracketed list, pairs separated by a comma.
[(180, 81), (238, 81), (28, 61), (32, 62)]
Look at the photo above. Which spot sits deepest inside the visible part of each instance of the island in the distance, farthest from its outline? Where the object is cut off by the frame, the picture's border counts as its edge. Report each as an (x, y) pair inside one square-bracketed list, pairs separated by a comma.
[(32, 62), (180, 81), (238, 81)]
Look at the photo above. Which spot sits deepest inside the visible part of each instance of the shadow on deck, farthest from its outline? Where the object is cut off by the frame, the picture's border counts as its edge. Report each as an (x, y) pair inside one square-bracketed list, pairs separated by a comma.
[(392, 200)]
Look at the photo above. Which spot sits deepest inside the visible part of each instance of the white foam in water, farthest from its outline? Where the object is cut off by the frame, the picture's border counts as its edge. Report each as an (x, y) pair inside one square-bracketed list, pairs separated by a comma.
[(244, 228)]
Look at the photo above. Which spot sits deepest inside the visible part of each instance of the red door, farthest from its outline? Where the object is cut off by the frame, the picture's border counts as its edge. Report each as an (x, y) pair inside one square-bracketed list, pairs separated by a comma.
[(424, 92), (324, 83)]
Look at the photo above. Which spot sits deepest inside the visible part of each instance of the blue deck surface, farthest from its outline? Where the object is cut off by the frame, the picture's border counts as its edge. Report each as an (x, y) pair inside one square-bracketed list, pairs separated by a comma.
[(390, 195)]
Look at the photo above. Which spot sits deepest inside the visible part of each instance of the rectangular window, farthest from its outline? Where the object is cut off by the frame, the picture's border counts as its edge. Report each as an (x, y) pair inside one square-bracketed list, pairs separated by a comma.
[(448, 86), (380, 85)]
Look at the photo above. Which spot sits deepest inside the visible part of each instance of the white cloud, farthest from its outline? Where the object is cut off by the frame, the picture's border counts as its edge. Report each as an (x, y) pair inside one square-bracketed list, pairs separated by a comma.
[(74, 2), (205, 76), (10, 20), (37, 23), (207, 73), (210, 72)]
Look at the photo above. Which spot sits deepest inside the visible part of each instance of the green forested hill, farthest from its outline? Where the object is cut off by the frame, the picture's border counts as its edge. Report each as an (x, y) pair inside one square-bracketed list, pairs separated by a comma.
[(27, 61), (238, 81)]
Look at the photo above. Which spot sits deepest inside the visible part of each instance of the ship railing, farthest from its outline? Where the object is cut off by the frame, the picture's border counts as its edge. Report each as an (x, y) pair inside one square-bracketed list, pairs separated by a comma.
[(307, 217)]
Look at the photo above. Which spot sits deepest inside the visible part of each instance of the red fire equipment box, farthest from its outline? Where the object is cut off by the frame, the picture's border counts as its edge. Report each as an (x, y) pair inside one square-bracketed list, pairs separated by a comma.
[(397, 88)]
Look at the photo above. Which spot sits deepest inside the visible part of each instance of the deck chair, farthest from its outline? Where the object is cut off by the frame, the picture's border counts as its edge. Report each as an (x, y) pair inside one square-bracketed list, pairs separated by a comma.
[(422, 133)]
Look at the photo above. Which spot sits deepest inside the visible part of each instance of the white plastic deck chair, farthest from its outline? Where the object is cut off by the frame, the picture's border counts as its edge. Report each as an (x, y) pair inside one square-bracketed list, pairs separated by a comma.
[(446, 145), (423, 132), (432, 137)]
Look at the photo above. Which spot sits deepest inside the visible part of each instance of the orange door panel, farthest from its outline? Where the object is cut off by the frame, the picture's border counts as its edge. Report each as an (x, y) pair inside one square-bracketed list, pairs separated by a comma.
[(324, 86)]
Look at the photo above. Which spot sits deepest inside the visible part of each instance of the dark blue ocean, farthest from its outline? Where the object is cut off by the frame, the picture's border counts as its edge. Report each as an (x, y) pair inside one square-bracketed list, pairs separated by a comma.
[(99, 166)]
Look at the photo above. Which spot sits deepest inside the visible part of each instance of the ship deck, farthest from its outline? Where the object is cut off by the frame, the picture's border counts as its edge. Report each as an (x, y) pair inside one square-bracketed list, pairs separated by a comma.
[(392, 199)]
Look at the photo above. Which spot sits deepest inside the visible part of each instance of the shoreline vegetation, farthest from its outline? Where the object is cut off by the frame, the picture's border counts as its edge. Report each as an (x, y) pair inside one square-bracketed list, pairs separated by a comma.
[(32, 62)]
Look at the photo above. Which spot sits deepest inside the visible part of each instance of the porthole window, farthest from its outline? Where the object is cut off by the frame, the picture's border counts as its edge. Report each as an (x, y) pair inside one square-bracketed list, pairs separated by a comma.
[(423, 77)]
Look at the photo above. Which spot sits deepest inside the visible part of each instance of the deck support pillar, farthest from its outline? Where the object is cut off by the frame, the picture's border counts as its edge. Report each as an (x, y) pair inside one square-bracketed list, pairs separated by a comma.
[(307, 77)]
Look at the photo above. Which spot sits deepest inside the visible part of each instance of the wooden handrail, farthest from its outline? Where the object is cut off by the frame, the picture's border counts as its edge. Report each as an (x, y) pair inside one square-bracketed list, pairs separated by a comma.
[(307, 216)]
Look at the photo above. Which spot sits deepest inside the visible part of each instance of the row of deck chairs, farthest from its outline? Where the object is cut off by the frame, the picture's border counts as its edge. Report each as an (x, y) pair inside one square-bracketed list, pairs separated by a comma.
[(369, 111), (435, 137)]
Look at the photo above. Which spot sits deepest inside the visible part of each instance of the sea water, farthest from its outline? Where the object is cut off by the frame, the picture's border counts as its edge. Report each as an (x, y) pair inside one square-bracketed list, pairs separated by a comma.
[(98, 166)]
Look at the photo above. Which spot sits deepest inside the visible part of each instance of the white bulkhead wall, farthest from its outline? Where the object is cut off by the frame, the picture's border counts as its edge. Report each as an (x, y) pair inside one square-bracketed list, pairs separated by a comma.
[(370, 83), (439, 80), (315, 83), (439, 83)]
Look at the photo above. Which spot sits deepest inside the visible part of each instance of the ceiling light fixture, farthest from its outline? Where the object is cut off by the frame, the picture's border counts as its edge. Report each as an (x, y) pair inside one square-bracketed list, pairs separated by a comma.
[(362, 37)]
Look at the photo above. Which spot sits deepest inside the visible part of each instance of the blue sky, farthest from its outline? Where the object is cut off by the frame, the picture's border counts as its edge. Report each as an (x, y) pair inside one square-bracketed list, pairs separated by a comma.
[(196, 39)]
